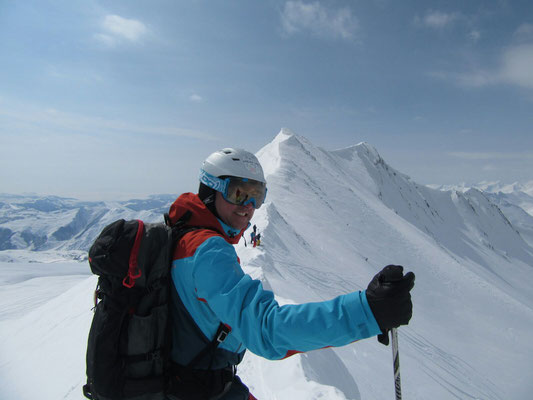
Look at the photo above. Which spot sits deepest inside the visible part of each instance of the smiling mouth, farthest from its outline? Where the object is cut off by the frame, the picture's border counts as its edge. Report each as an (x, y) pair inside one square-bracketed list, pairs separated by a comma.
[(242, 214)]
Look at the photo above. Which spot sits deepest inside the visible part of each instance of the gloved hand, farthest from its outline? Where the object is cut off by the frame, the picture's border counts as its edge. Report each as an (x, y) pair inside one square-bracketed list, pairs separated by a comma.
[(389, 299)]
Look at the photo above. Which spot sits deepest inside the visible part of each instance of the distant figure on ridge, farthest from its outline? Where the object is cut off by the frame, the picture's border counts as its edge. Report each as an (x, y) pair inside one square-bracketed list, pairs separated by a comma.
[(252, 238)]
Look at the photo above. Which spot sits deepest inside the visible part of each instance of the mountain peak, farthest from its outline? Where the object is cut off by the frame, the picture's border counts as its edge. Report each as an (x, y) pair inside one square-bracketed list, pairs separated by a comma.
[(287, 136), (362, 149), (282, 148), (368, 151), (286, 132)]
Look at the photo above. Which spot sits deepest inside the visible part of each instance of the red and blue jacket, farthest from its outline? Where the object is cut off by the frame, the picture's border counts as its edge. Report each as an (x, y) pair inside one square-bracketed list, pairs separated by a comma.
[(211, 288)]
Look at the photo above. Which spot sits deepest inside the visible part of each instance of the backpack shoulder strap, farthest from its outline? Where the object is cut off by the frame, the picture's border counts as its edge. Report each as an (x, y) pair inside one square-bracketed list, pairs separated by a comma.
[(221, 335), (179, 229)]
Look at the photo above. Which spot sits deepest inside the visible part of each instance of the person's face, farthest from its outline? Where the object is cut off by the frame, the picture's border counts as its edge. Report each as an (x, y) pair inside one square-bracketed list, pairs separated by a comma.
[(233, 215)]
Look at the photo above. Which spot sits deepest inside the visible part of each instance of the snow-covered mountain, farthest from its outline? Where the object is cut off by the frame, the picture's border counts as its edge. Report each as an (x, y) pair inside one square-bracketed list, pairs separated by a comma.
[(515, 200), (44, 223), (492, 187), (331, 221), (508, 197)]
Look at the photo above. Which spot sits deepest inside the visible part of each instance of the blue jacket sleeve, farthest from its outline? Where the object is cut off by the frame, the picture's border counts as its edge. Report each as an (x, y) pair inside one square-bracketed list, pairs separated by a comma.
[(260, 323)]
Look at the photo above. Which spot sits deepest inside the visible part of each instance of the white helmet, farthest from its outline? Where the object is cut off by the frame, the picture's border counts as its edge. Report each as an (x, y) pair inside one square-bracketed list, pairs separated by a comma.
[(234, 162)]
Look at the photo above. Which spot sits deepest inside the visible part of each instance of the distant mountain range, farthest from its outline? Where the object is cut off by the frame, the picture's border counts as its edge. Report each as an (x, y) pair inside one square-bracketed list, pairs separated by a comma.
[(514, 200), (504, 195), (51, 222)]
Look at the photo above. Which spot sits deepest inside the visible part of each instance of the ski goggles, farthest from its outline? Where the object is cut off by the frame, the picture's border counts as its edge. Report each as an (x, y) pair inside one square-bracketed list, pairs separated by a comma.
[(238, 191)]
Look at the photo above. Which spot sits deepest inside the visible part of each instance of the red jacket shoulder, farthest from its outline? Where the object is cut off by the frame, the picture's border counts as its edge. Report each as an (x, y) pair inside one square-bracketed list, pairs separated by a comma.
[(187, 245)]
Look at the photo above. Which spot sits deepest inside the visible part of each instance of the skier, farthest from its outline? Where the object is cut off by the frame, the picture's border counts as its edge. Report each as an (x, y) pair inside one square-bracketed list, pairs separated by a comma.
[(256, 236), (218, 311), (253, 236)]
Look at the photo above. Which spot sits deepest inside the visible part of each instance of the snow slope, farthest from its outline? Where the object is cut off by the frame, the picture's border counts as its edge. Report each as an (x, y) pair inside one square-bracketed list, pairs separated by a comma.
[(355, 214), (331, 221)]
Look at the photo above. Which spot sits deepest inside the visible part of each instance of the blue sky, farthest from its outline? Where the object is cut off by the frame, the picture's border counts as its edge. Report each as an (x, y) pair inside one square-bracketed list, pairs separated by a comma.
[(109, 99)]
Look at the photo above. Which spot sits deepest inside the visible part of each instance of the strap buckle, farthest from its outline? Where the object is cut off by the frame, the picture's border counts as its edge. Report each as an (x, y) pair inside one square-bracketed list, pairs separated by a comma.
[(222, 336)]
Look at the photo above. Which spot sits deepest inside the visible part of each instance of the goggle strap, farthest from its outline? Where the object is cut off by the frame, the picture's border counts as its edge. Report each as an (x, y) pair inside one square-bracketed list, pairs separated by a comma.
[(220, 185)]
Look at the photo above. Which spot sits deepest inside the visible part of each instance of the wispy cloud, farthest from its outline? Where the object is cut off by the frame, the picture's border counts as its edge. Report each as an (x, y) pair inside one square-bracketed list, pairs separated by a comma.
[(475, 78), (513, 67), (437, 19), (490, 168), (196, 98), (116, 29), (474, 35), (491, 155), (38, 120), (300, 16), (517, 66), (440, 21), (524, 33), (65, 73)]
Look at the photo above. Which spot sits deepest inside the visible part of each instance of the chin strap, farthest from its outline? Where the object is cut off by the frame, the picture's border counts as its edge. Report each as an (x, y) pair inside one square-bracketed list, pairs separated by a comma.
[(209, 199)]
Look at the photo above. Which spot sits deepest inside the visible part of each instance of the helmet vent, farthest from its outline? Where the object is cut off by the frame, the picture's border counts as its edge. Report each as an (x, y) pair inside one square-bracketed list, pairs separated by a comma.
[(235, 159)]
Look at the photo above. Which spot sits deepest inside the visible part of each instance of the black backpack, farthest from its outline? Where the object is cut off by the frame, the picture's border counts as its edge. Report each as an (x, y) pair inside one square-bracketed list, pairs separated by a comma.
[(129, 340)]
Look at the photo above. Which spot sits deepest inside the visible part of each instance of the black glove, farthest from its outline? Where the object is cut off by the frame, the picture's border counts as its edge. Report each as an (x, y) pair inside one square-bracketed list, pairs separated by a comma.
[(389, 299)]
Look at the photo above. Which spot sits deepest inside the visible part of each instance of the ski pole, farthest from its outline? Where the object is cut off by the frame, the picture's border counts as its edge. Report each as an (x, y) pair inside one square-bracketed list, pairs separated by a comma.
[(396, 364)]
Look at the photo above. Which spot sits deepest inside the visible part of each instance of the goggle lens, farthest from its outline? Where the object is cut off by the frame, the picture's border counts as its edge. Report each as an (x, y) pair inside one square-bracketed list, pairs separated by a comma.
[(238, 191), (245, 191)]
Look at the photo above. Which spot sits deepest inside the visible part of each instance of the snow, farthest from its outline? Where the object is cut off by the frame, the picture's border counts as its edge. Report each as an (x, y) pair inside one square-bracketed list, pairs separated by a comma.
[(515, 194), (42, 344), (331, 221)]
